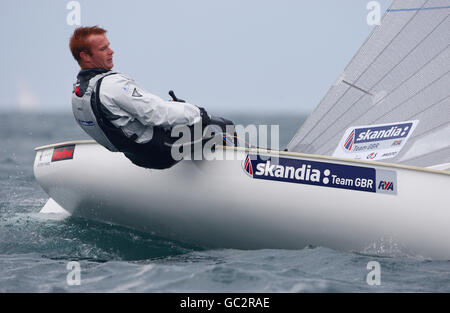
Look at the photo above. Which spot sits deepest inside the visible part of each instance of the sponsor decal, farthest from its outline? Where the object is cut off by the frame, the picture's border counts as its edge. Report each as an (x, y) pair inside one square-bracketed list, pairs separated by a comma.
[(386, 181), (371, 156), (375, 142), (63, 153), (386, 185), (324, 174), (44, 157), (350, 141), (76, 90), (136, 93), (248, 168)]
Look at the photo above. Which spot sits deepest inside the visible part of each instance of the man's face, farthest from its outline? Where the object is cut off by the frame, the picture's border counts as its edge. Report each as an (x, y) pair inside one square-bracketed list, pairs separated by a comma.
[(101, 54)]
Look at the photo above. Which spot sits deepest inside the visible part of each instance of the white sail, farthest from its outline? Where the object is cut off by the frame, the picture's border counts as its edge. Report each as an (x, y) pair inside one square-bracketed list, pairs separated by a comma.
[(400, 75)]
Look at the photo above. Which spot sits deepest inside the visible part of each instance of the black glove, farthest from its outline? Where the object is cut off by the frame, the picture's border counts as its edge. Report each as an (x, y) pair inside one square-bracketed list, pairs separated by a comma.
[(174, 98), (206, 120)]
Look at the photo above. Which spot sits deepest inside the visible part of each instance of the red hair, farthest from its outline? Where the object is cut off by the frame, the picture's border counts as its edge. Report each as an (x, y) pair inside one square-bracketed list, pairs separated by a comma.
[(78, 41)]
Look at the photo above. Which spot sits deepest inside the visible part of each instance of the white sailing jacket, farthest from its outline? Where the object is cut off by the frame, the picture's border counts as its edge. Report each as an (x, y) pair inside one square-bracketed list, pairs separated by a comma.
[(134, 110), (139, 110)]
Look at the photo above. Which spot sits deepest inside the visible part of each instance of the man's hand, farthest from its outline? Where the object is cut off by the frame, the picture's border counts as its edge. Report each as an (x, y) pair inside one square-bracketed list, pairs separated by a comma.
[(206, 120)]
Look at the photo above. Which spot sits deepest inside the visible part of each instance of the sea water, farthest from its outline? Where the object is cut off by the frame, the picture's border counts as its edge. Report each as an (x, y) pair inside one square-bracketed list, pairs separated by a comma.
[(36, 251)]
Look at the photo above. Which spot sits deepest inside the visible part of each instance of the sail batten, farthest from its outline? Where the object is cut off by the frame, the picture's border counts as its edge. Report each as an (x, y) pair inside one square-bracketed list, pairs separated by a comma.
[(402, 72)]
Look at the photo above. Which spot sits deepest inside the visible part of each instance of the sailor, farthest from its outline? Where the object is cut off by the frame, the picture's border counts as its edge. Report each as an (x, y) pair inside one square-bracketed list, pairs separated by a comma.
[(117, 112)]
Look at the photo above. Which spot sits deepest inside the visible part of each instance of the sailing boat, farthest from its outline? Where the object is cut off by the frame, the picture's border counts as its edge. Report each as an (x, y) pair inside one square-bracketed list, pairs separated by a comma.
[(372, 162)]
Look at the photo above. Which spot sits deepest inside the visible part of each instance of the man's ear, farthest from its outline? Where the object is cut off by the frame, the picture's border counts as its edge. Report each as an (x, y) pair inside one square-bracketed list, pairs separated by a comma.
[(84, 56)]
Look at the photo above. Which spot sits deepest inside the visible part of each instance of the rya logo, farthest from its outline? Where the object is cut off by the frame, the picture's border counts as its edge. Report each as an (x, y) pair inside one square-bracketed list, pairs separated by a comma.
[(386, 185)]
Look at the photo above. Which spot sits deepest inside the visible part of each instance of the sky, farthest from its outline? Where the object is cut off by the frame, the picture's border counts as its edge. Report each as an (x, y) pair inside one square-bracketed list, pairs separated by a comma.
[(229, 56)]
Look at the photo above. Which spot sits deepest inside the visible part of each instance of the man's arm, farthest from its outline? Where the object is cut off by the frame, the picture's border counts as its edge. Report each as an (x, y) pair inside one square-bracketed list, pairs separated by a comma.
[(121, 91)]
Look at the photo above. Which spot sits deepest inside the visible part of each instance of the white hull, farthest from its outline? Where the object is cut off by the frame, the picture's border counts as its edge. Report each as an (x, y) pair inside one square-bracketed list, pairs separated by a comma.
[(215, 203)]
